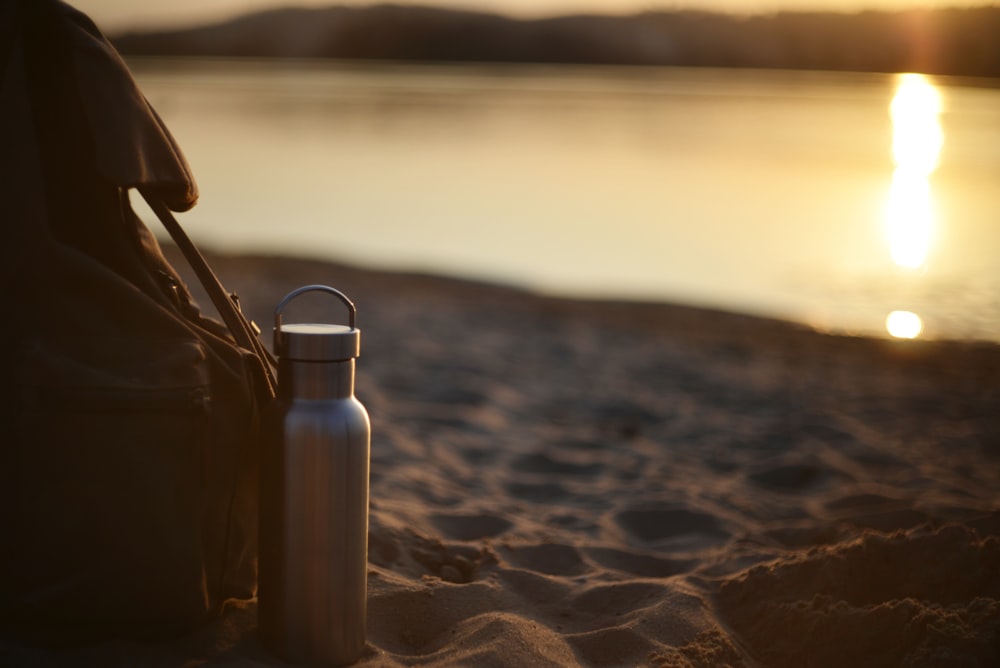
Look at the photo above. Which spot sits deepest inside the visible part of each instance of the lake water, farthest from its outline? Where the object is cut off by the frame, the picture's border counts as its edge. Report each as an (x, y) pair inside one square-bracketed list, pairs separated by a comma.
[(828, 199)]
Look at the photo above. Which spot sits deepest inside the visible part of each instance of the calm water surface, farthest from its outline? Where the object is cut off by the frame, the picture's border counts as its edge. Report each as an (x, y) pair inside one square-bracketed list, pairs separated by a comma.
[(829, 199)]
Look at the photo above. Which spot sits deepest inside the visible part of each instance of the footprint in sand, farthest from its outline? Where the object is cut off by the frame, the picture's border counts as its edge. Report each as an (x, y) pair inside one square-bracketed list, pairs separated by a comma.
[(542, 463), (791, 478), (548, 558), (470, 527), (860, 501), (537, 492), (619, 598), (651, 525), (543, 490), (637, 564)]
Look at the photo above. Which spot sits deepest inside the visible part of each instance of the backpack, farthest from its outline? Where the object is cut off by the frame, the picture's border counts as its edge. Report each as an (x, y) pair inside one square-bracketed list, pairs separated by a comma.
[(128, 464)]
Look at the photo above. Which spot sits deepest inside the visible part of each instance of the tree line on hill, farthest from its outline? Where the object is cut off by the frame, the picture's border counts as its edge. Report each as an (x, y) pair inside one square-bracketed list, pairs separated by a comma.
[(956, 41)]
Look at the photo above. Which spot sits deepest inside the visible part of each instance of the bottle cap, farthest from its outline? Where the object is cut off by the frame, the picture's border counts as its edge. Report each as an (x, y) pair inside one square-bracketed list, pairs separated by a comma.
[(316, 342)]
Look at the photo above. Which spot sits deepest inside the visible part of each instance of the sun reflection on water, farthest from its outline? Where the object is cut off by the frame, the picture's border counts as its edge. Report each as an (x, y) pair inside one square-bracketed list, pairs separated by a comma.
[(917, 134), (904, 324), (916, 149)]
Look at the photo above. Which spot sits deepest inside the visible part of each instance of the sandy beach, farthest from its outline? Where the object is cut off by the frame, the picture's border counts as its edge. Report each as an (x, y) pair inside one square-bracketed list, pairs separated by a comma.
[(559, 482)]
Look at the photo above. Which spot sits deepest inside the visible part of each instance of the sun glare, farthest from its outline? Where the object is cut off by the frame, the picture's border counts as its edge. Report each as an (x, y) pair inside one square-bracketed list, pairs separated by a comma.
[(908, 219), (916, 132), (916, 147), (904, 325)]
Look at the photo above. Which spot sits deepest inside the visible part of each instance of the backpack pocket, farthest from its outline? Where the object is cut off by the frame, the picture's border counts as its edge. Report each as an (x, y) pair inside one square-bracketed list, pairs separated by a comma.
[(109, 497)]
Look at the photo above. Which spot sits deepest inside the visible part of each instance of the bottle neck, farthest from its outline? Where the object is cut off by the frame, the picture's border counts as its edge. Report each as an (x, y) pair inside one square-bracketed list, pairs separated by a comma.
[(315, 380)]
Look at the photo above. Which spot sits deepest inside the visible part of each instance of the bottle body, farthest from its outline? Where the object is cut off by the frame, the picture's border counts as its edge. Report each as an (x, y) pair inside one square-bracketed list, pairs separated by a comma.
[(312, 588)]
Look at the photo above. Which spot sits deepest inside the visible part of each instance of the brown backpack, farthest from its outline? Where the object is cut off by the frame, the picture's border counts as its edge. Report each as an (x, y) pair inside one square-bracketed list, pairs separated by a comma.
[(128, 465)]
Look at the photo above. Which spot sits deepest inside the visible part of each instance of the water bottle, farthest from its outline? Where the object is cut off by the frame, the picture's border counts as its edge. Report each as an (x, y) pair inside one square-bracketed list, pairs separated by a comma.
[(312, 588)]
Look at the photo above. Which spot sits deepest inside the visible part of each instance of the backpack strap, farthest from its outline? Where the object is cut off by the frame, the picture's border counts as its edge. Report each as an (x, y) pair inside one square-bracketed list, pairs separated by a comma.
[(227, 304)]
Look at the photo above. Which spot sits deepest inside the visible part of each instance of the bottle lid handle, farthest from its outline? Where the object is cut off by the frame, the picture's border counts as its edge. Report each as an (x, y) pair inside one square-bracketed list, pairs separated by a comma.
[(351, 308)]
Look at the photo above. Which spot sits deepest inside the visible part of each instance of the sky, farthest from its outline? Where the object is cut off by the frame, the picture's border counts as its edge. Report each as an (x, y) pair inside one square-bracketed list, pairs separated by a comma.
[(114, 15)]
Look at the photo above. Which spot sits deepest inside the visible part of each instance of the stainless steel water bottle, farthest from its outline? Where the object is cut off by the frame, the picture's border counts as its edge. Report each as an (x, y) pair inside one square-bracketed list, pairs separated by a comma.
[(312, 589)]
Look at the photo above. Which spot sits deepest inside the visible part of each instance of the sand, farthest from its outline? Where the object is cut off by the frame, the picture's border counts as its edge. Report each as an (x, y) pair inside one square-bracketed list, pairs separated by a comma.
[(560, 482)]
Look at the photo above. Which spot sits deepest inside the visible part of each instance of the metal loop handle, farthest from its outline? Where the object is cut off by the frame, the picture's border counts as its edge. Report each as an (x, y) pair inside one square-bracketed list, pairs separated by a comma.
[(352, 310)]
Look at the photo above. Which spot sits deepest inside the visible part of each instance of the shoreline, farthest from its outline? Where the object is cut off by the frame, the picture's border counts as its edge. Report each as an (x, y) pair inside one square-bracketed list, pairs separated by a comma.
[(689, 320)]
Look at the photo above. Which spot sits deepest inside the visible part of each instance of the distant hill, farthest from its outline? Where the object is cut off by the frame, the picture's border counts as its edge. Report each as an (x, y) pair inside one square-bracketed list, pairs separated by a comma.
[(960, 41)]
